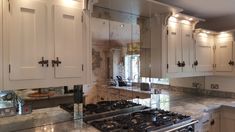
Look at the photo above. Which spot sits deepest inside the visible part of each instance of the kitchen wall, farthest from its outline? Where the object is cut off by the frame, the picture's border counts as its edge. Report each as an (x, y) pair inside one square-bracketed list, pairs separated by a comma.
[(188, 82)]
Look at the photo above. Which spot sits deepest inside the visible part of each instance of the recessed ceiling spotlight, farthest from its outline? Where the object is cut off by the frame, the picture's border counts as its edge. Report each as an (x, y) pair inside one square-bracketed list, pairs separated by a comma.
[(122, 25)]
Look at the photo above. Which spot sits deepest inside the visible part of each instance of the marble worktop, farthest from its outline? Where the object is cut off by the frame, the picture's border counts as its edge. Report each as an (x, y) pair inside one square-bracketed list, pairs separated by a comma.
[(56, 119)]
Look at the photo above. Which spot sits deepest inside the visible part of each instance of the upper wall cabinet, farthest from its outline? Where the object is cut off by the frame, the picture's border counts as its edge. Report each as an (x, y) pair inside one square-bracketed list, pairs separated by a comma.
[(68, 61), (224, 53), (180, 47), (204, 52), (45, 43), (27, 40)]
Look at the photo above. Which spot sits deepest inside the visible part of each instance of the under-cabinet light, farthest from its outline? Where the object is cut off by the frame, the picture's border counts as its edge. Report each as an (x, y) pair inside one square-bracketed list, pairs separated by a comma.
[(190, 19), (176, 15)]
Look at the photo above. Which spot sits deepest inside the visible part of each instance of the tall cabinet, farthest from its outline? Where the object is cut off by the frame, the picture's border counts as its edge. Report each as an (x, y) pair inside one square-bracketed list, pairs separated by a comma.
[(45, 43)]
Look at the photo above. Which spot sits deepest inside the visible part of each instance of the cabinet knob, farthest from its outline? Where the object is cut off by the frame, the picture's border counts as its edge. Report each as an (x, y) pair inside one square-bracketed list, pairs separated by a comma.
[(183, 64), (56, 62), (178, 64), (195, 63), (212, 122), (231, 63), (43, 62)]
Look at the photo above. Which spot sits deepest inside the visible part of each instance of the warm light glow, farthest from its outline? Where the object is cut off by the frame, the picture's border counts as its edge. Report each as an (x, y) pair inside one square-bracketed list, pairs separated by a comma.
[(176, 15), (224, 34), (69, 3), (203, 34), (173, 19), (190, 19), (185, 22)]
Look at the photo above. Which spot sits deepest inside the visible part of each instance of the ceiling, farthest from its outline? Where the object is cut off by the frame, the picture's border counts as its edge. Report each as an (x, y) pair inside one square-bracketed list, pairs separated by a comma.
[(206, 9)]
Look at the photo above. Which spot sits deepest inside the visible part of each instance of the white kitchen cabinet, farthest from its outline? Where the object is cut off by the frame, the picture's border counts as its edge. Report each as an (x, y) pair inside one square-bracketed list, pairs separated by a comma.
[(68, 42), (215, 122), (174, 47), (27, 40), (227, 120), (180, 47), (46, 43), (204, 53), (224, 54), (187, 47)]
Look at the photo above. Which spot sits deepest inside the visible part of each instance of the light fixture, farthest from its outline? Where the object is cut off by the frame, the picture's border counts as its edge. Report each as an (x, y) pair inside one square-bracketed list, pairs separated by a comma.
[(176, 15), (190, 19), (122, 25), (208, 32)]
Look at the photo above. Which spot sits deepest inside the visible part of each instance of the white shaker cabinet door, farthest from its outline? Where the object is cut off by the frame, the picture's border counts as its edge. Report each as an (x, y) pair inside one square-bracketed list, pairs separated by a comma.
[(68, 42), (204, 53), (174, 48), (187, 47), (224, 54), (27, 39)]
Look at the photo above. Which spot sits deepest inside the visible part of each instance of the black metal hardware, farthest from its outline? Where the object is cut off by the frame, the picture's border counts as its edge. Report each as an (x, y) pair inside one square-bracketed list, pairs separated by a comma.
[(44, 62), (212, 122), (183, 64), (231, 63), (178, 64), (195, 63), (56, 62)]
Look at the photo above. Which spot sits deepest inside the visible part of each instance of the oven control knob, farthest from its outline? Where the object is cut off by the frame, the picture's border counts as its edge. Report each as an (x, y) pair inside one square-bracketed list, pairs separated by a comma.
[(190, 129)]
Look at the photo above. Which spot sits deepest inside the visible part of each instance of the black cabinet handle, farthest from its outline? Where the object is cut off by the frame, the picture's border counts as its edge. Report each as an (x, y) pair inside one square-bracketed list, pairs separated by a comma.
[(212, 122), (231, 63), (178, 64), (56, 62), (183, 64), (44, 62), (195, 63)]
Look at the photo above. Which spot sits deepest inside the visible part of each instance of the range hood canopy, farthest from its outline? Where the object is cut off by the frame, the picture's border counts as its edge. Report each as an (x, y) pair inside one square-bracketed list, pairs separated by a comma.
[(147, 8)]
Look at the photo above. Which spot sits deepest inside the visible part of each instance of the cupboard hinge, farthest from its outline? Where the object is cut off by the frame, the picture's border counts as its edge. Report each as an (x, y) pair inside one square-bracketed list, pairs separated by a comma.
[(167, 31), (82, 67), (214, 65), (9, 68), (167, 66), (214, 47), (82, 18), (9, 6)]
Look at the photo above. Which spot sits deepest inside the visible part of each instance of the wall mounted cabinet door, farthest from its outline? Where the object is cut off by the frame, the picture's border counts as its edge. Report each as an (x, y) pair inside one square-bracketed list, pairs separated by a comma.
[(27, 39), (68, 42), (187, 47), (224, 54), (174, 47), (204, 53)]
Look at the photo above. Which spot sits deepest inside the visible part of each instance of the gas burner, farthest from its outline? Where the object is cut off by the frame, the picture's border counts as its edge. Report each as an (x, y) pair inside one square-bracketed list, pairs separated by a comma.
[(143, 121)]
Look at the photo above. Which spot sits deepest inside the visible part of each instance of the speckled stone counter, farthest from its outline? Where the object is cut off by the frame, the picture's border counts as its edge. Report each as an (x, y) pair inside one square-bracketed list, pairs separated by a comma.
[(49, 120), (56, 119)]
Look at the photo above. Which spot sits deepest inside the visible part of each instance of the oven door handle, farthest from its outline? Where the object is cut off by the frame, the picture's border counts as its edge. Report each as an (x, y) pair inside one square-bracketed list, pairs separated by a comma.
[(191, 123)]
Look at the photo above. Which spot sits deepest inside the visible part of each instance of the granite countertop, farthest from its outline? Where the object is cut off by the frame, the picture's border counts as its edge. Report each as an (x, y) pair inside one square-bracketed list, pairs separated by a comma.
[(56, 119)]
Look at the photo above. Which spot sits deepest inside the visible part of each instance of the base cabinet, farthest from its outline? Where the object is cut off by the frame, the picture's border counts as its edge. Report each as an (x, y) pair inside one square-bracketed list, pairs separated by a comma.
[(228, 120)]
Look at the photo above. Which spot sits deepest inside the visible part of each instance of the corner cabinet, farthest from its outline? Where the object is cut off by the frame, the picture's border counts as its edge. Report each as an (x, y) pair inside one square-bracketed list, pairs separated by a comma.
[(46, 43)]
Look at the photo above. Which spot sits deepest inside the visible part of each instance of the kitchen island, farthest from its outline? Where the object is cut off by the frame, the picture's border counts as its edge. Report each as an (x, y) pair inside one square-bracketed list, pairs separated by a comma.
[(56, 119)]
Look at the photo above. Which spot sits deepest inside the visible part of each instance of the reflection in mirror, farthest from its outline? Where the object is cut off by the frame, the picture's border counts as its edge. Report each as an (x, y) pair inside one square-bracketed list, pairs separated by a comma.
[(122, 48)]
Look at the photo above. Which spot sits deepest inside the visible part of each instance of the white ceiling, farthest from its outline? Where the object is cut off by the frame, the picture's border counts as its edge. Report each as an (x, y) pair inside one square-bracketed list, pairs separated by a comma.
[(204, 8)]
